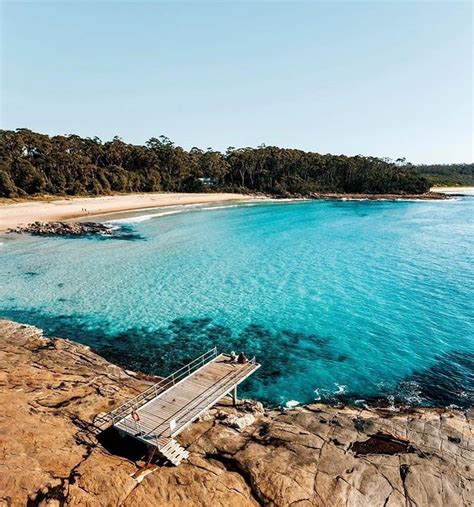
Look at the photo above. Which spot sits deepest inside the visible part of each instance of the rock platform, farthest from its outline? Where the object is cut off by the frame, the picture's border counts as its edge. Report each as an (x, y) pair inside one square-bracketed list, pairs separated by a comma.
[(51, 454)]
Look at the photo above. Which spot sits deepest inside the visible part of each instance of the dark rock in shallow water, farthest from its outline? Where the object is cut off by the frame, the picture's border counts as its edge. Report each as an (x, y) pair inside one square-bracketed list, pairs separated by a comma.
[(448, 381), (64, 229)]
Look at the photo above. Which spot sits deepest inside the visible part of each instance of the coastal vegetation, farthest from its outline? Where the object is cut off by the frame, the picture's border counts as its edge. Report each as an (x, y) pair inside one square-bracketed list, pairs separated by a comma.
[(447, 174), (35, 164)]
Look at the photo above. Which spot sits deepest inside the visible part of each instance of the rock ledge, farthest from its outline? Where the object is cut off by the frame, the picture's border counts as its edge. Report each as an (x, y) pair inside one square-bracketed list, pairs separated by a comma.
[(317, 455), (63, 229)]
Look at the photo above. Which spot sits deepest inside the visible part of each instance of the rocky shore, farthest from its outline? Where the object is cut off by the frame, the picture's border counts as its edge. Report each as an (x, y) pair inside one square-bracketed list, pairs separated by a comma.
[(380, 197), (348, 196), (63, 229), (51, 452)]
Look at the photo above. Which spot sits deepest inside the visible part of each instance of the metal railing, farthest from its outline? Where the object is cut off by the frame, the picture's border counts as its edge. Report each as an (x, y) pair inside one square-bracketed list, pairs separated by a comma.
[(195, 407), (135, 403)]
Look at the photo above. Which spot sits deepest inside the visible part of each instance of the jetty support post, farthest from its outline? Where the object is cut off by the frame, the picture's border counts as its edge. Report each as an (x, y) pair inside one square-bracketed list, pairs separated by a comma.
[(234, 396)]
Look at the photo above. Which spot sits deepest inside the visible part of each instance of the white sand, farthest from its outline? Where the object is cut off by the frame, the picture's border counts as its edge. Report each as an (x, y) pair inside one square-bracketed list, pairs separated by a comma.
[(14, 214), (454, 190)]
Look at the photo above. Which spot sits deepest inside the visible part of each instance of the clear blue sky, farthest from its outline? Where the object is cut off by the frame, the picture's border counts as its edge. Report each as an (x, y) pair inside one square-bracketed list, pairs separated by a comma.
[(378, 78)]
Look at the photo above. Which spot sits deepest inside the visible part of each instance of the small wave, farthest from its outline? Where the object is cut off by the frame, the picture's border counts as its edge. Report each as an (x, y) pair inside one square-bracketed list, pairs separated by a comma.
[(182, 208), (246, 205), (143, 218), (410, 392), (292, 403), (221, 207), (326, 394), (391, 404)]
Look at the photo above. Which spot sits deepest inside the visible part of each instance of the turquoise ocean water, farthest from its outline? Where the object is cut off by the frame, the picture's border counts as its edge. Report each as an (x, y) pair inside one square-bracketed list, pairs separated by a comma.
[(339, 300)]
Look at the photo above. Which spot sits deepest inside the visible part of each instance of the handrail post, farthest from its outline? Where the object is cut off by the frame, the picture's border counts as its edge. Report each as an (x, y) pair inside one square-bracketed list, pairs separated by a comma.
[(135, 403)]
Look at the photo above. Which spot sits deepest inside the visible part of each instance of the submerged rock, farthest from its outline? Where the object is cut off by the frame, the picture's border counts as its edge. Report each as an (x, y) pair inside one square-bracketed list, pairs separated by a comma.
[(53, 390)]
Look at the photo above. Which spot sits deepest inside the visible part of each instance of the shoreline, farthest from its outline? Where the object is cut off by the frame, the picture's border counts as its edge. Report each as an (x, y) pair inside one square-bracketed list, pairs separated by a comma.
[(375, 402), (54, 392), (14, 214), (455, 191), (428, 196)]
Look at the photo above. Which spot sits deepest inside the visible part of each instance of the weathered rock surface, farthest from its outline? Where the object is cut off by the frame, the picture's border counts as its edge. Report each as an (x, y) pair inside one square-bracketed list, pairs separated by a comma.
[(63, 229), (318, 455), (380, 197)]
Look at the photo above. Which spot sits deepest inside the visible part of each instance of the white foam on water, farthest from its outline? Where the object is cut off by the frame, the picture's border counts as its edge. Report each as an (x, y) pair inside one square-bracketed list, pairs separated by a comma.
[(220, 207), (361, 402), (392, 407), (207, 208), (292, 403), (180, 209), (143, 218), (237, 205), (113, 227), (285, 200)]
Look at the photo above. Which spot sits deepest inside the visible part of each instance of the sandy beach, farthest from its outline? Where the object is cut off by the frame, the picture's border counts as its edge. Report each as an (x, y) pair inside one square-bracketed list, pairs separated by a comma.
[(454, 190), (15, 214)]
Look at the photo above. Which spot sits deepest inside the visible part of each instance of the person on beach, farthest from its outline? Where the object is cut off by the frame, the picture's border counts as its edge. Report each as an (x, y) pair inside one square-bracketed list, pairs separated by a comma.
[(242, 359)]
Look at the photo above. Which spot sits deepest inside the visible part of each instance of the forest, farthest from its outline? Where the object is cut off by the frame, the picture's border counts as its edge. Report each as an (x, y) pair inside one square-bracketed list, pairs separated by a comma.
[(37, 164), (447, 174)]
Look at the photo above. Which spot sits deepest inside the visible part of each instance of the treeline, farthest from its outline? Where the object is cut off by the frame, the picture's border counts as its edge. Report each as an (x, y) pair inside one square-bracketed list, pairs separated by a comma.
[(447, 174), (33, 164)]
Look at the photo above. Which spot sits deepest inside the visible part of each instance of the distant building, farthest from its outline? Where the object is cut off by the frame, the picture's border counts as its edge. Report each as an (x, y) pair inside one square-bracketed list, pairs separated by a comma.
[(207, 181)]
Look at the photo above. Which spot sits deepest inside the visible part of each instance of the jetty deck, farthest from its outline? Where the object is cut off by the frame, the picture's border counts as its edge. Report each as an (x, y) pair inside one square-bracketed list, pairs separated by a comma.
[(165, 409)]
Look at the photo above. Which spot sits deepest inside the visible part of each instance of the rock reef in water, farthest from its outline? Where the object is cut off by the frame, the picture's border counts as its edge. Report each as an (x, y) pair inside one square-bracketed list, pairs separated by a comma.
[(63, 229), (317, 455)]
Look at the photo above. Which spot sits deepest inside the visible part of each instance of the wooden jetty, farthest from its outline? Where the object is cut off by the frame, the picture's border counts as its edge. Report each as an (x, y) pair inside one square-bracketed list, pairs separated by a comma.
[(160, 413)]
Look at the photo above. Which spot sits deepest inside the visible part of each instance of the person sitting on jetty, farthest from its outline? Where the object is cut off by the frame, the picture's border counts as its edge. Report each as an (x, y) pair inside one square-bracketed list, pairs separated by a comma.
[(233, 356), (242, 359)]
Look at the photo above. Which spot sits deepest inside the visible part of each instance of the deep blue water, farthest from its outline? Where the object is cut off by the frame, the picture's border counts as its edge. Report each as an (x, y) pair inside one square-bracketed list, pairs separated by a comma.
[(338, 300)]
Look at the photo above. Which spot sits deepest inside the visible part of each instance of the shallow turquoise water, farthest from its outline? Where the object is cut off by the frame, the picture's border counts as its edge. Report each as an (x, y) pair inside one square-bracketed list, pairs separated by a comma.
[(338, 300)]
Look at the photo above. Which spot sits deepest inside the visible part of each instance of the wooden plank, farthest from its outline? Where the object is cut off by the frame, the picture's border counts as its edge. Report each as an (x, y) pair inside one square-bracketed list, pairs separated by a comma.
[(185, 400)]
